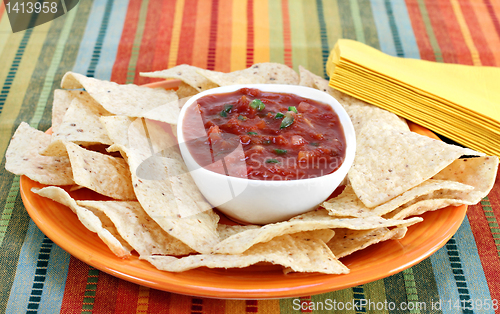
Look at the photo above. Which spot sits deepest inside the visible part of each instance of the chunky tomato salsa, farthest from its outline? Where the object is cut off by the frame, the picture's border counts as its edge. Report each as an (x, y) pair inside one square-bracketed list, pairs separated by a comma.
[(275, 136)]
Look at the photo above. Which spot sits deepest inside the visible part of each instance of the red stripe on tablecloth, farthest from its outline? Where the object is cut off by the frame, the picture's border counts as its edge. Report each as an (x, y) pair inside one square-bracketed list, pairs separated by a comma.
[(487, 249), (477, 34), (418, 25), (126, 297), (214, 306), (488, 26), (164, 33), (202, 34), (106, 294), (196, 305), (462, 52), (224, 33), (76, 281), (442, 36), (496, 7), (250, 34), (149, 39), (252, 306), (159, 302), (186, 41), (124, 51), (493, 16), (287, 34), (214, 17), (305, 304)]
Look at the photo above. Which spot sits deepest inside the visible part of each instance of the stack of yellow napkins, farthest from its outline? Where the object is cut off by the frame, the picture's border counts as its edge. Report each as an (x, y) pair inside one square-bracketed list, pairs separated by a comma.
[(457, 101)]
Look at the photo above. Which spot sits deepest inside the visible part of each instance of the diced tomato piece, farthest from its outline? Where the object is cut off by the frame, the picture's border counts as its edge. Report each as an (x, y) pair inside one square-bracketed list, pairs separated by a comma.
[(280, 140), (303, 107), (298, 140), (314, 154), (261, 124), (245, 139)]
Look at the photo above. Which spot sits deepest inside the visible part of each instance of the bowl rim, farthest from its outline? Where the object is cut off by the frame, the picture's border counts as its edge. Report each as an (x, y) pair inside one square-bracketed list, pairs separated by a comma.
[(277, 88)]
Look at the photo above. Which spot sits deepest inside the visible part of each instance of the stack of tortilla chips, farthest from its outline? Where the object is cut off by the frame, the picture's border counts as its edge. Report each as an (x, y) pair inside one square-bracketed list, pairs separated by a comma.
[(116, 142), (458, 101)]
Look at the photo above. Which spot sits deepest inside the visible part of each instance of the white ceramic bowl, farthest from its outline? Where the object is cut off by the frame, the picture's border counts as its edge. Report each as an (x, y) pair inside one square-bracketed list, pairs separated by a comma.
[(267, 201)]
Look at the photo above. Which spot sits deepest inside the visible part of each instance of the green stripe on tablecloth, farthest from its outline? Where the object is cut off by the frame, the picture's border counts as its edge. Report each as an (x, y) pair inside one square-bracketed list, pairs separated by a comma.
[(325, 50), (312, 34), (395, 289), (299, 39), (359, 298), (276, 45), (369, 27), (9, 207), (346, 20), (90, 291), (425, 284), (375, 293), (430, 31), (137, 42), (411, 291), (492, 222), (333, 22), (356, 19)]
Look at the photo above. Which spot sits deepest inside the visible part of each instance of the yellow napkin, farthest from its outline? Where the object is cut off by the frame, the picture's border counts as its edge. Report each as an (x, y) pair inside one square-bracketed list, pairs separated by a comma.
[(458, 101)]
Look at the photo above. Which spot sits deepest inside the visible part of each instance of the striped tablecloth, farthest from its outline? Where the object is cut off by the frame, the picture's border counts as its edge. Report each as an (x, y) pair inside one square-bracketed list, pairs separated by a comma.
[(117, 39)]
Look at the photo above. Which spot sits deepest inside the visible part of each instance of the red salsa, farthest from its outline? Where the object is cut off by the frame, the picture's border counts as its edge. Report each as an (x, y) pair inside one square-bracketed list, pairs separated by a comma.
[(278, 136)]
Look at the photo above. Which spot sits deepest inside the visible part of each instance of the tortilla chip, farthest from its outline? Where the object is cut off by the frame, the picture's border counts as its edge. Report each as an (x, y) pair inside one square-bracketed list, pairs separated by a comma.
[(314, 220), (180, 210), (260, 73), (138, 229), (347, 241), (306, 77), (81, 124), (62, 100), (299, 251), (168, 113), (187, 73), (129, 100), (104, 174), (97, 224), (185, 91), (23, 158), (361, 113), (56, 148), (389, 162), (478, 172), (117, 128), (421, 206), (225, 231), (347, 203)]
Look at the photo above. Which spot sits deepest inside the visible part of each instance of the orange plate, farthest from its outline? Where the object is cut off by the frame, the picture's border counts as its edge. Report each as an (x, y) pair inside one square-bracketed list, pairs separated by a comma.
[(255, 282)]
